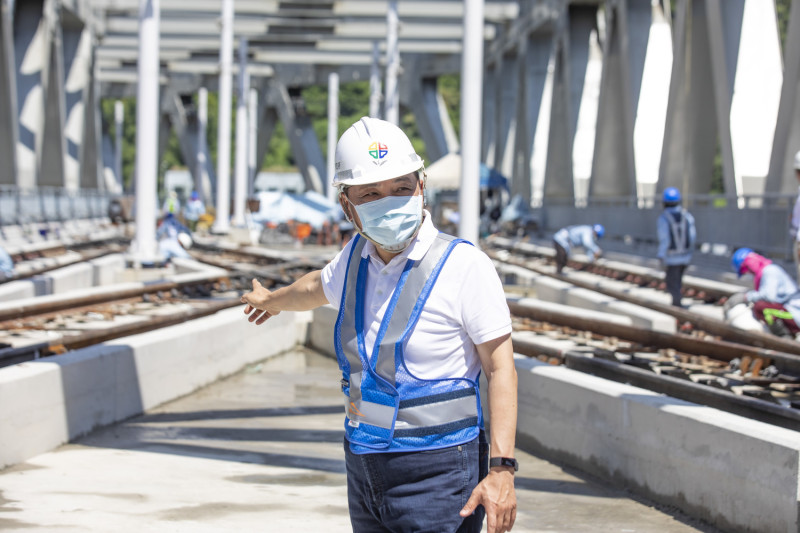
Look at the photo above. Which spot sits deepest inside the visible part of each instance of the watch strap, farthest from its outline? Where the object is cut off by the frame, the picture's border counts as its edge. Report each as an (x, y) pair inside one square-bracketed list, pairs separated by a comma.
[(504, 461)]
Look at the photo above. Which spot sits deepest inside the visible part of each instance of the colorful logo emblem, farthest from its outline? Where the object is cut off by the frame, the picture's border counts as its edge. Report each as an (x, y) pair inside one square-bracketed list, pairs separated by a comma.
[(378, 150)]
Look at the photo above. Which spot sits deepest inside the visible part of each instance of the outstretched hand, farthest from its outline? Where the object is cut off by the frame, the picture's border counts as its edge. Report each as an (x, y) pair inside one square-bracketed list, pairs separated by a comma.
[(257, 302)]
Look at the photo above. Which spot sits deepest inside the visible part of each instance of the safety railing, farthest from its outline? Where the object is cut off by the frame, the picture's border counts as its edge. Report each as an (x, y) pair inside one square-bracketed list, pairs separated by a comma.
[(724, 223), (19, 206)]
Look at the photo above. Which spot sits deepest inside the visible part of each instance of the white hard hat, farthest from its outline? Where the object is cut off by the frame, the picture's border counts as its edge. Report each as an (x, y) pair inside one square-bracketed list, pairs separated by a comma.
[(797, 160), (373, 150), (185, 240)]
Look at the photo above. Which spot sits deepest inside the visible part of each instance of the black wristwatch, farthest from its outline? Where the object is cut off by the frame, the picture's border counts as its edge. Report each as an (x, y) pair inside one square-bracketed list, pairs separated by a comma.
[(504, 461)]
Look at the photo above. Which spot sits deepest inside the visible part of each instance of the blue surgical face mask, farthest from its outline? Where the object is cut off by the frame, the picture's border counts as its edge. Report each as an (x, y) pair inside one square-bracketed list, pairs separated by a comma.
[(391, 221)]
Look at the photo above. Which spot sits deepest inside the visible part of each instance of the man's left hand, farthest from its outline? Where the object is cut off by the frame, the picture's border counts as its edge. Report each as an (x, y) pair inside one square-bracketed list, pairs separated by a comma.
[(496, 494)]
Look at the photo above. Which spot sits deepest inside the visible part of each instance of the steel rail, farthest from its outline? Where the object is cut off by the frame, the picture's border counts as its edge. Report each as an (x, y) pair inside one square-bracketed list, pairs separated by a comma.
[(721, 399), (722, 350), (21, 310), (708, 324), (275, 273), (42, 270), (66, 343), (646, 279)]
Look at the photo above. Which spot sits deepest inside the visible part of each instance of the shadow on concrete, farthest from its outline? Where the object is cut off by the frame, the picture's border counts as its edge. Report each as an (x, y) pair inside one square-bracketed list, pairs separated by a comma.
[(239, 434), (240, 413), (247, 456), (559, 486)]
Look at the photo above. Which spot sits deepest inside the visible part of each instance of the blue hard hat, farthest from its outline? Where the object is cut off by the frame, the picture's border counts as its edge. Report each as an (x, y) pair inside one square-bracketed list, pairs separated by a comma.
[(672, 195), (738, 258), (599, 230)]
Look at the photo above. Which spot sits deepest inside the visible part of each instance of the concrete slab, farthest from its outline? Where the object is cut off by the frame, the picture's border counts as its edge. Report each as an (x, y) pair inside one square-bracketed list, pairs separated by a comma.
[(261, 451)]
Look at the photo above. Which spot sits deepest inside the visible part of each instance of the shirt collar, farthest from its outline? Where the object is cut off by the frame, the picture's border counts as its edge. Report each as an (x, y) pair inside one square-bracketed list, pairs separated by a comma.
[(416, 250)]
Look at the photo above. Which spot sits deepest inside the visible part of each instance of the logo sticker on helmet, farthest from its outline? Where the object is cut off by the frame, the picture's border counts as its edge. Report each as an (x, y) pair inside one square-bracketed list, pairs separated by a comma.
[(378, 150)]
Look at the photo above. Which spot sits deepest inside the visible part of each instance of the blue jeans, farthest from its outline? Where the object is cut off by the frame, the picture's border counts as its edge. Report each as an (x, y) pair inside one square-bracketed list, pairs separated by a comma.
[(416, 491)]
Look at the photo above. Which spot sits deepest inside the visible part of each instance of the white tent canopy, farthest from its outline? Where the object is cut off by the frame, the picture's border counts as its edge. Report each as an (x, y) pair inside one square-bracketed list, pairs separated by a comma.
[(309, 207), (445, 174)]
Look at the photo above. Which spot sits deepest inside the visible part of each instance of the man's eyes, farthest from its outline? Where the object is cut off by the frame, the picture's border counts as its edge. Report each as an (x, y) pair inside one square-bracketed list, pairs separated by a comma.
[(400, 190)]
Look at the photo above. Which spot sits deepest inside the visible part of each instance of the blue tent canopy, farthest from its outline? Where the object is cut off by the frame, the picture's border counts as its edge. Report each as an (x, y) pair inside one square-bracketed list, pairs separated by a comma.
[(491, 178)]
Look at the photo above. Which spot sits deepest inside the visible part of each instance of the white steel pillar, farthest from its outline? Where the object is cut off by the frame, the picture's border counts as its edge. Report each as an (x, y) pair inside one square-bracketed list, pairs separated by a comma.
[(471, 86), (392, 102), (119, 117), (147, 122), (242, 138), (252, 141), (333, 131), (375, 82), (222, 222), (202, 184)]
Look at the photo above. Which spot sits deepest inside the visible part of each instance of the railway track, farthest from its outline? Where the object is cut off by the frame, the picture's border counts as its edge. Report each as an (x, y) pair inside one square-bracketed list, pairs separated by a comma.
[(56, 325), (51, 256), (708, 362), (750, 376)]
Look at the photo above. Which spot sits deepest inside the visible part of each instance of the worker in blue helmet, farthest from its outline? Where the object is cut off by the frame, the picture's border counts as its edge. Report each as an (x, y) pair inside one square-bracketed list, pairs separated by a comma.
[(677, 236), (582, 236), (775, 298)]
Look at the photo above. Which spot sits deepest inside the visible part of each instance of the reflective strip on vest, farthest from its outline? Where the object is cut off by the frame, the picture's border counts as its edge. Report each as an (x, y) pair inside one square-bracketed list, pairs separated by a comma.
[(443, 409), (359, 409)]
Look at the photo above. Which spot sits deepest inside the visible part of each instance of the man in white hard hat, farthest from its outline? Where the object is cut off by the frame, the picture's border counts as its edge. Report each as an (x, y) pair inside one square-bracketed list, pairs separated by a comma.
[(796, 218), (421, 314)]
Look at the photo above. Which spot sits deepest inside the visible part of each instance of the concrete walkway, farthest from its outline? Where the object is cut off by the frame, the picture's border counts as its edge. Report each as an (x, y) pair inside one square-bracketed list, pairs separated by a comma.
[(261, 452)]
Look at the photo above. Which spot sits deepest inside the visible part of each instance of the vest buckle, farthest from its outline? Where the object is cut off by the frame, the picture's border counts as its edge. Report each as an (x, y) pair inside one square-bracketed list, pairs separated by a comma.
[(344, 383)]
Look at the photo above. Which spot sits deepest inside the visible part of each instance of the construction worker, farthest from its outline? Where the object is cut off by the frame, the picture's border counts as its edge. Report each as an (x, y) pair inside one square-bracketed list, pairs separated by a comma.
[(194, 209), (794, 232), (6, 264), (775, 299), (676, 239), (172, 205), (173, 238), (585, 236), (420, 314)]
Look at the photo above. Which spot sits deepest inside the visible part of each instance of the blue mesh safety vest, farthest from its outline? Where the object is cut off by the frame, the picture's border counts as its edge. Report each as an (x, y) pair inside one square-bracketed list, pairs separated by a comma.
[(388, 409)]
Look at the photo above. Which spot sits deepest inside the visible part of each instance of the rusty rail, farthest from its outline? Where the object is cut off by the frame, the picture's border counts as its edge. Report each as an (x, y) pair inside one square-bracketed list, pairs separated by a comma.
[(644, 279), (722, 350), (683, 389), (66, 343), (708, 324), (22, 310)]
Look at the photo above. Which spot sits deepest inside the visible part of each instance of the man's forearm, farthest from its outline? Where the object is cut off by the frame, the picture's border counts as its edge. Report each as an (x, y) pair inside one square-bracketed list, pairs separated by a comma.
[(501, 375), (503, 411), (304, 294)]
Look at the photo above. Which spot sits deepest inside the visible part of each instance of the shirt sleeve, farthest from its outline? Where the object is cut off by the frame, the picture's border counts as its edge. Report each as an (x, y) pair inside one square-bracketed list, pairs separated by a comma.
[(333, 275), (587, 239)]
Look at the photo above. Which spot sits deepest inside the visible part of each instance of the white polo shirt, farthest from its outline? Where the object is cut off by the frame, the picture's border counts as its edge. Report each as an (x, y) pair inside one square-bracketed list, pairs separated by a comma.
[(467, 305)]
